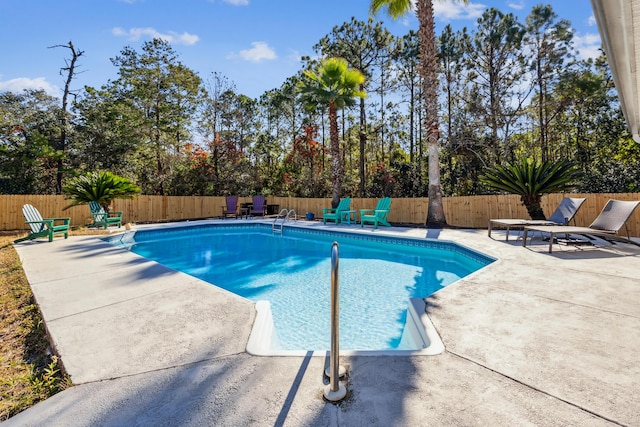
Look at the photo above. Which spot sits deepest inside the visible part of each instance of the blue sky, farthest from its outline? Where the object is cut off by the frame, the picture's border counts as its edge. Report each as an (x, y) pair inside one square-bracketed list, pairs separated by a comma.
[(255, 43)]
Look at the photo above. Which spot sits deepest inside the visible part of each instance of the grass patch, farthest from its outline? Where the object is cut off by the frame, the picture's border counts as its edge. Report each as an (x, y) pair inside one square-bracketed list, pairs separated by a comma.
[(29, 373)]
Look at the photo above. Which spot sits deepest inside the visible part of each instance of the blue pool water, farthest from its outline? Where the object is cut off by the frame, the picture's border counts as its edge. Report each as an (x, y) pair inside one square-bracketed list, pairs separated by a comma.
[(377, 275)]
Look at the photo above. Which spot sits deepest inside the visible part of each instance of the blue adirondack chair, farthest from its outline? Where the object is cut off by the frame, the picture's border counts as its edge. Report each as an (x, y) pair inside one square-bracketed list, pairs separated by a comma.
[(101, 218), (231, 209), (378, 215), (43, 227), (335, 214)]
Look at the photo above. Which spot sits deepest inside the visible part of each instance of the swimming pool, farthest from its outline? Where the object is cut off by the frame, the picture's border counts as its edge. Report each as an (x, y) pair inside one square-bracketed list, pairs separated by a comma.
[(378, 277)]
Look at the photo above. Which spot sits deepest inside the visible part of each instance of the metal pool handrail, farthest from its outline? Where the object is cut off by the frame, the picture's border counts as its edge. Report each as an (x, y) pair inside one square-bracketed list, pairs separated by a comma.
[(335, 391), (278, 227)]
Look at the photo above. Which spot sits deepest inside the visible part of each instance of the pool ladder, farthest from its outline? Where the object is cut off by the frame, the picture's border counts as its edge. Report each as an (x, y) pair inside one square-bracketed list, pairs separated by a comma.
[(287, 214)]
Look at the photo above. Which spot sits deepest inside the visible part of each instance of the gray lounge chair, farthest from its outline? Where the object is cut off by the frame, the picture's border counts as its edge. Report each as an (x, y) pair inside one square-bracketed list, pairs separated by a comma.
[(564, 213), (606, 226)]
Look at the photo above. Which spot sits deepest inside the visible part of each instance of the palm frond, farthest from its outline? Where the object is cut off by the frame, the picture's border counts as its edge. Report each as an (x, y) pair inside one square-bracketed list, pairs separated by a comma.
[(529, 178), (395, 8), (102, 187)]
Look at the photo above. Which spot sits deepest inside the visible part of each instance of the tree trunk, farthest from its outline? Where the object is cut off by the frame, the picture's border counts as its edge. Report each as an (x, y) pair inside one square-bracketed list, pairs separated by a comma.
[(363, 143), (532, 203), (412, 158), (336, 165), (62, 146), (428, 62)]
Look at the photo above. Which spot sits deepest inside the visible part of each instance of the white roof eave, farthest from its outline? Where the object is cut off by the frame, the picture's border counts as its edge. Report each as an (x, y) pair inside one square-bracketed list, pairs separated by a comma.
[(621, 43)]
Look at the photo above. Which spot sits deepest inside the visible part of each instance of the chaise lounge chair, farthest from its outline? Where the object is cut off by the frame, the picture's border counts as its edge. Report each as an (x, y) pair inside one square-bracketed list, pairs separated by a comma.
[(378, 215), (606, 226), (335, 214), (564, 213), (43, 227), (231, 209), (103, 219)]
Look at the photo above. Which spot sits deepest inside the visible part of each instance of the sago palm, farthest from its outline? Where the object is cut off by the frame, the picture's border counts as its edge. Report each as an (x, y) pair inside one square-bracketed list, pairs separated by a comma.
[(103, 187), (336, 86), (429, 73), (531, 180)]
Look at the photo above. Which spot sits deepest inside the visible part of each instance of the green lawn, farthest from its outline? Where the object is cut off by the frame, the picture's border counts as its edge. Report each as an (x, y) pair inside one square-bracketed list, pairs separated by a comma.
[(29, 372)]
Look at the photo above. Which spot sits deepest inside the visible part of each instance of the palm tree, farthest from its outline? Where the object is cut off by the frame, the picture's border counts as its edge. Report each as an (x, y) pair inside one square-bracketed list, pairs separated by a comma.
[(103, 187), (531, 180), (429, 72), (335, 86)]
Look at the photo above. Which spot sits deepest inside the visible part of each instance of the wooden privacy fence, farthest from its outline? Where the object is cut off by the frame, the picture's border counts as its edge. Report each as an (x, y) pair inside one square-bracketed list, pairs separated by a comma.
[(465, 212)]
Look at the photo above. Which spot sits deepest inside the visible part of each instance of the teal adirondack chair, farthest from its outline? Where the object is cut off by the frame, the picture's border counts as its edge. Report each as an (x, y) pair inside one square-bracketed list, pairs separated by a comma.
[(101, 218), (43, 227), (378, 215), (335, 213)]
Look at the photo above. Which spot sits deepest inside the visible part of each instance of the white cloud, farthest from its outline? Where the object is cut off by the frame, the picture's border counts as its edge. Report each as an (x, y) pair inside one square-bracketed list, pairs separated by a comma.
[(258, 53), (136, 34), (517, 6), (592, 21), (294, 57), (457, 10), (588, 46), (234, 2), (21, 83)]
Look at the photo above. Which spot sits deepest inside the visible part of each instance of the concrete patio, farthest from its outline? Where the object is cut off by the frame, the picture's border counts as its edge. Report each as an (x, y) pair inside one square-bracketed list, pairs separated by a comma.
[(533, 339)]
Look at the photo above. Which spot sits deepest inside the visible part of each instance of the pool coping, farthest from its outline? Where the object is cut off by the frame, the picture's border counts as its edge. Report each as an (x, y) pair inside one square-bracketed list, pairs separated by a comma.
[(533, 339)]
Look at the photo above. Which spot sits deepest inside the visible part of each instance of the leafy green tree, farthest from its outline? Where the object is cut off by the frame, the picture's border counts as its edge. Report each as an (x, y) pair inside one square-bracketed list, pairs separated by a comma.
[(110, 133), (303, 164), (453, 46), (103, 187), (29, 127), (549, 43), (218, 90), (336, 86), (61, 144), (406, 56), (162, 95), (531, 180), (589, 117), (429, 70), (362, 45), (228, 124), (288, 103), (497, 72), (279, 120)]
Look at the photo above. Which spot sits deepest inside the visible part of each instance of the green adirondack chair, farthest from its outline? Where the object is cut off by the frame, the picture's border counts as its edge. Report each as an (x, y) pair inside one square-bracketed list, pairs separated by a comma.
[(101, 218), (378, 215), (43, 227), (335, 213)]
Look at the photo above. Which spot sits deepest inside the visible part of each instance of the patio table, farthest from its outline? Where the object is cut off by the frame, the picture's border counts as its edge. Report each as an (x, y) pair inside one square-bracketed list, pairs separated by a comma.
[(348, 216)]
